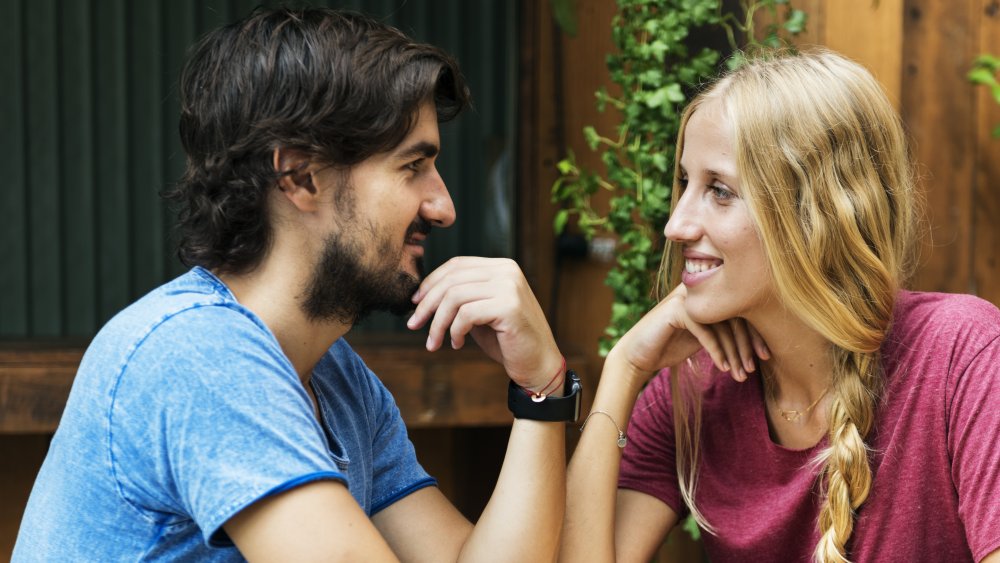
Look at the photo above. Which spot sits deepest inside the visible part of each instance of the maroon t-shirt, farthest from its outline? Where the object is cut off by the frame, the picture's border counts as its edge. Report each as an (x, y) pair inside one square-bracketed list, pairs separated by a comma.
[(935, 492)]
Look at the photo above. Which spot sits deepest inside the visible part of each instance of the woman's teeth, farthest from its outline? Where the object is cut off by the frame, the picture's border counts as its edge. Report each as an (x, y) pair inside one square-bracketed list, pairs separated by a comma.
[(697, 266)]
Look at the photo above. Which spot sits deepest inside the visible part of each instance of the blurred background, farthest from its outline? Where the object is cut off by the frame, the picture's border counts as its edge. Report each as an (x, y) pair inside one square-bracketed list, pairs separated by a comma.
[(88, 120)]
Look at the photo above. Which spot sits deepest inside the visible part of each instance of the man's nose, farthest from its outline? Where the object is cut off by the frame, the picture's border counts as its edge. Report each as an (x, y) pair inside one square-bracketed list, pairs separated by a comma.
[(438, 208)]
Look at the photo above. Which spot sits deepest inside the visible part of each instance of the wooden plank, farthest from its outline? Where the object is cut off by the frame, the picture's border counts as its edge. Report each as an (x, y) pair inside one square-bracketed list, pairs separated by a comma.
[(938, 46), (986, 199), (449, 388), (870, 33), (815, 31), (584, 302), (77, 173), (34, 383), (13, 196), (43, 160)]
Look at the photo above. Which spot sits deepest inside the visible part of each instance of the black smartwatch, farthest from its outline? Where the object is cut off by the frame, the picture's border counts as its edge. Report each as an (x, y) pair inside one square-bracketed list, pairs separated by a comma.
[(550, 409)]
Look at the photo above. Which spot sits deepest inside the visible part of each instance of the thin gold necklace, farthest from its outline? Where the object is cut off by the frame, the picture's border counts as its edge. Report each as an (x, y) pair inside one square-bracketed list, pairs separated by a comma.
[(793, 415)]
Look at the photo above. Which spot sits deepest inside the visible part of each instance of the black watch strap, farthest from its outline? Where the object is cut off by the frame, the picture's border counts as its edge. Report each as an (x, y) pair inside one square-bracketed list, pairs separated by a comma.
[(549, 409)]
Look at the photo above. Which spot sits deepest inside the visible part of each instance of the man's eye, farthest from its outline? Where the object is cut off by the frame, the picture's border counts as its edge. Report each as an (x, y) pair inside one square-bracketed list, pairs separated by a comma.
[(415, 165)]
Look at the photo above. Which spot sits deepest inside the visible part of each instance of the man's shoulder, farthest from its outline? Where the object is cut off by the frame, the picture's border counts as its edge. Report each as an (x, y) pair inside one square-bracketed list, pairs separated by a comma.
[(191, 311)]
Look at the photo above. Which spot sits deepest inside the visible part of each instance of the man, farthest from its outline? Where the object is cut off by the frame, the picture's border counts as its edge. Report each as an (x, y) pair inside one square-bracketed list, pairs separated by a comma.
[(223, 416)]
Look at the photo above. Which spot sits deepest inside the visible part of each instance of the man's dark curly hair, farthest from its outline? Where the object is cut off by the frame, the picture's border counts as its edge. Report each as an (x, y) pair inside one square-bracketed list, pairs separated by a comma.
[(337, 86)]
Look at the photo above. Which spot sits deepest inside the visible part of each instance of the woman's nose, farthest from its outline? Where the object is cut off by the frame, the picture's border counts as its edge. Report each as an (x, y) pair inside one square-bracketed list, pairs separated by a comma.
[(683, 224)]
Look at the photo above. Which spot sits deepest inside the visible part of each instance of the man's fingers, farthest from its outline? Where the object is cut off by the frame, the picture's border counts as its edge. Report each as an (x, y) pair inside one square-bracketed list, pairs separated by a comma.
[(449, 305), (456, 272), (463, 269)]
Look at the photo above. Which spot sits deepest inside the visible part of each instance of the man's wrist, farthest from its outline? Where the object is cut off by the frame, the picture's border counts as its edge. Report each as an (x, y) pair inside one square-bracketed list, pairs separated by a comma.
[(550, 379), (549, 408)]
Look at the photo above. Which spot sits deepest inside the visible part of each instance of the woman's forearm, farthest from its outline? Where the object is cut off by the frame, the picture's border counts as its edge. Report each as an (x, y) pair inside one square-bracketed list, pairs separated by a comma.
[(588, 530)]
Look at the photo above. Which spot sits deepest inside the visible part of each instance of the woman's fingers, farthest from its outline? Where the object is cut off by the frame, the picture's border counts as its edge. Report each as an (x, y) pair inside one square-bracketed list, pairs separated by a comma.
[(744, 346), (763, 352), (724, 332), (711, 343)]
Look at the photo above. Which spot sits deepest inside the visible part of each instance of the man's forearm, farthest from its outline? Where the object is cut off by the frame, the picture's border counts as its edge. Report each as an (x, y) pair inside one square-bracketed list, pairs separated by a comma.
[(523, 518)]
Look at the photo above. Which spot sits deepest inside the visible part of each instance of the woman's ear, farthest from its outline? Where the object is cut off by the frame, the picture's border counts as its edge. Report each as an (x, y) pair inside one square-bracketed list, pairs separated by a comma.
[(295, 178)]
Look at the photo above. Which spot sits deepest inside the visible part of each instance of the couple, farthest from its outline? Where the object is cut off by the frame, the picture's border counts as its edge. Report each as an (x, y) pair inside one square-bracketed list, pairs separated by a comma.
[(792, 395)]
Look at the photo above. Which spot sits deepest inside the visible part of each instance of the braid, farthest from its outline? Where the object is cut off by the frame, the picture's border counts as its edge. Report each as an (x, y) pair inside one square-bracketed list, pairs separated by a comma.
[(847, 473)]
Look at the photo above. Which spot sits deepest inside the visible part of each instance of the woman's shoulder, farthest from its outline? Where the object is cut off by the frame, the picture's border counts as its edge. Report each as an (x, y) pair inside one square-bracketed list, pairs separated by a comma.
[(942, 332), (944, 315)]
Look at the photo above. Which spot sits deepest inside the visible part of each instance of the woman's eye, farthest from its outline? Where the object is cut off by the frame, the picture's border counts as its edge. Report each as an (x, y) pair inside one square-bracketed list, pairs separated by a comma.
[(720, 192), (683, 182)]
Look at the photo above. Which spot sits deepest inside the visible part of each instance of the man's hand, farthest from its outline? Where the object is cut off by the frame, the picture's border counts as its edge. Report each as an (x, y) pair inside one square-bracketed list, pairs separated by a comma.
[(489, 299)]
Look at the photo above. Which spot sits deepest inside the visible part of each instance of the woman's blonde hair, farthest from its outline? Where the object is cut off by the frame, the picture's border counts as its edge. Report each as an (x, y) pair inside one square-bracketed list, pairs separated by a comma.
[(825, 171)]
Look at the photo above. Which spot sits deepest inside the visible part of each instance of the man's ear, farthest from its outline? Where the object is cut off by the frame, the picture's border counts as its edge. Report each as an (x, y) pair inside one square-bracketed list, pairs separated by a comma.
[(295, 178)]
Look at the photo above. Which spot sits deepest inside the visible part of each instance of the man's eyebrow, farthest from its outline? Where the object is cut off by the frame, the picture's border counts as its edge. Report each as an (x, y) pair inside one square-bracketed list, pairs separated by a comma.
[(421, 148)]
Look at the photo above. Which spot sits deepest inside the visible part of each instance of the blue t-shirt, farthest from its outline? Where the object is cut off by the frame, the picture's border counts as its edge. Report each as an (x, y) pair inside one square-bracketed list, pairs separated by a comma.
[(185, 411)]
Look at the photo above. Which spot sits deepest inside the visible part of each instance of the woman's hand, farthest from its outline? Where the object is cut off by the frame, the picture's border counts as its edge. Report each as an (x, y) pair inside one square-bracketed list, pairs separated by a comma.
[(666, 336)]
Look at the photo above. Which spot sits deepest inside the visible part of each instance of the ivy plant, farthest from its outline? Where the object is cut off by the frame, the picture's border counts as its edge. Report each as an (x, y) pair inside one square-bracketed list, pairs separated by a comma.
[(656, 70)]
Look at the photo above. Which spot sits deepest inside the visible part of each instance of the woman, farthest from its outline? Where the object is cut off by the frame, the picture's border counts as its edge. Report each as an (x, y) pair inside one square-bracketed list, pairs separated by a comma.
[(813, 409)]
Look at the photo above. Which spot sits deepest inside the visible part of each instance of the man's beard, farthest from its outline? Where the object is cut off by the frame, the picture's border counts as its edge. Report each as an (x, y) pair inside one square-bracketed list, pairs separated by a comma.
[(344, 289)]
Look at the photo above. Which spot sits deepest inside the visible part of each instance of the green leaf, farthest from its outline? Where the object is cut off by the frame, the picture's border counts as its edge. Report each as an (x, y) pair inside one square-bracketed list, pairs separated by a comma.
[(564, 13), (796, 22), (989, 61), (565, 166), (736, 61), (657, 98), (674, 93), (660, 162), (981, 75), (691, 527), (996, 132), (591, 136), (559, 224)]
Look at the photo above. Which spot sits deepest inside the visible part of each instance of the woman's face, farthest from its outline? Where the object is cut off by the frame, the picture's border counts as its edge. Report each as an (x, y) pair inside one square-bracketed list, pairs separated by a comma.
[(725, 270)]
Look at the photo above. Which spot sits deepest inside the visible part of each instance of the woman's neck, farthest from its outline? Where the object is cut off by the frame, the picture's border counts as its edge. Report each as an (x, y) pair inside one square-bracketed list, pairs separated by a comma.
[(800, 369)]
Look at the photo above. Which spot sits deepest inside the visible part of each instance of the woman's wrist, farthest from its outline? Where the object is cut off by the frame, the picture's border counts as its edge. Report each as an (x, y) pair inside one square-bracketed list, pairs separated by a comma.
[(627, 373)]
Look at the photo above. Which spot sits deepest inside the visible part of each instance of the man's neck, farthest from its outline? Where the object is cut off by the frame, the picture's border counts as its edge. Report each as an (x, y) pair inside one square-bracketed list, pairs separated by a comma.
[(273, 291)]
